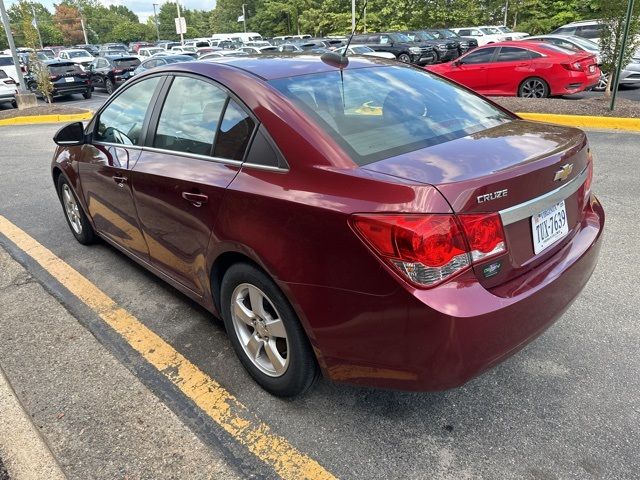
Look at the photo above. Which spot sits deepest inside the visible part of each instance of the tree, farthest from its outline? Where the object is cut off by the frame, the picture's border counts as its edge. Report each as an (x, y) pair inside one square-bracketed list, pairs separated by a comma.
[(67, 18), (612, 15), (128, 31)]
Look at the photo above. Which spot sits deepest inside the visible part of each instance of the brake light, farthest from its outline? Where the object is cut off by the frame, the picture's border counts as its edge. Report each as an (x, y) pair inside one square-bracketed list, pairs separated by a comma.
[(574, 66), (54, 77), (429, 249), (485, 235), (118, 71), (9, 81)]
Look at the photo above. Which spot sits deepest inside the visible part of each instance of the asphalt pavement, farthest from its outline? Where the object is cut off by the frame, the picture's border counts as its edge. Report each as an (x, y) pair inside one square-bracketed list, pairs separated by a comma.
[(565, 407)]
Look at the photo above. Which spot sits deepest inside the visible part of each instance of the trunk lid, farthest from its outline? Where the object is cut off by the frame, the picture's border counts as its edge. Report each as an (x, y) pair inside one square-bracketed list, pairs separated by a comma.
[(499, 170)]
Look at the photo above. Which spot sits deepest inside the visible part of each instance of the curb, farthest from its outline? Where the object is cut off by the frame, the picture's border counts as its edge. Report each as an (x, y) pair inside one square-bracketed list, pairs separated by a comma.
[(24, 452), (613, 123), (27, 120)]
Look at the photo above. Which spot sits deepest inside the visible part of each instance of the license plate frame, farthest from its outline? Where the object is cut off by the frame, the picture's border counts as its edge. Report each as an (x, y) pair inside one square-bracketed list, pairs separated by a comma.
[(549, 226)]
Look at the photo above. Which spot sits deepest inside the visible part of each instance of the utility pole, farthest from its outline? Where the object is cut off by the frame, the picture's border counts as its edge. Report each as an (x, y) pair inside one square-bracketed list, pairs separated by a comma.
[(625, 34), (244, 19), (353, 15), (506, 10), (35, 24), (155, 19), (84, 31), (12, 46), (179, 16)]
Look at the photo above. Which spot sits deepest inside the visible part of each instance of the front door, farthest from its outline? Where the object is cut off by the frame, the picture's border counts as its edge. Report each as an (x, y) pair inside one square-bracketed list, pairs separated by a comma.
[(471, 70), (196, 150), (106, 166)]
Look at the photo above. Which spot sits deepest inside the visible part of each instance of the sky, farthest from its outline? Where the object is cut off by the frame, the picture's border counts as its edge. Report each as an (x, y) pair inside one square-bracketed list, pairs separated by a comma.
[(142, 8)]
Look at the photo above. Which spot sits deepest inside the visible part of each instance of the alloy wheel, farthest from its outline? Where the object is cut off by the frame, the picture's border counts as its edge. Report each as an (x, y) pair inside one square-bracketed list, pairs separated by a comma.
[(71, 209), (533, 88), (260, 330), (602, 83)]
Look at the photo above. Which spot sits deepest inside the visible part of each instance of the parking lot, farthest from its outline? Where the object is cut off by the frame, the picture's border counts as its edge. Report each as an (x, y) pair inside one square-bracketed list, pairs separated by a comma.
[(566, 407)]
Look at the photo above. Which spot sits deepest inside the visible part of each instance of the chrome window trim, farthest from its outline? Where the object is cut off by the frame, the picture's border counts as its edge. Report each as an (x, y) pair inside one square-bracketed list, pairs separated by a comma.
[(536, 205), (226, 161), (119, 145)]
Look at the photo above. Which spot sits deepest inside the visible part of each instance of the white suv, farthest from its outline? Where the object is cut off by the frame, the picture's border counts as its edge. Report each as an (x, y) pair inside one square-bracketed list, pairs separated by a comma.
[(8, 89), (484, 35), (590, 29), (78, 56)]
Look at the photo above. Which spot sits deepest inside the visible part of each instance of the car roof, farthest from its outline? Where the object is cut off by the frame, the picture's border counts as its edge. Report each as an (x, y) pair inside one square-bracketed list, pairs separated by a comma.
[(119, 57), (271, 67), (582, 22)]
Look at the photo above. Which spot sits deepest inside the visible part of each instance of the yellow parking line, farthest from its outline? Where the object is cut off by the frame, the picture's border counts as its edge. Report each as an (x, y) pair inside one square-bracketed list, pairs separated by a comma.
[(204, 391)]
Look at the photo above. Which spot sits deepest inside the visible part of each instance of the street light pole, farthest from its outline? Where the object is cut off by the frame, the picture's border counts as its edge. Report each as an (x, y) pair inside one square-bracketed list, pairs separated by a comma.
[(155, 19), (353, 15), (12, 46), (244, 18), (35, 24), (506, 10), (179, 16)]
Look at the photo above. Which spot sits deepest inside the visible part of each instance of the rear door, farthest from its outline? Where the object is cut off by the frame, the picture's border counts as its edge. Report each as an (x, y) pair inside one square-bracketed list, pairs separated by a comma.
[(105, 166), (195, 147), (509, 67)]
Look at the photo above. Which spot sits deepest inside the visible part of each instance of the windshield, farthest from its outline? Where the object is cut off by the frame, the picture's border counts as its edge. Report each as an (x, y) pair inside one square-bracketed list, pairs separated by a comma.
[(178, 59), (379, 112), (6, 61), (490, 31), (79, 53), (586, 44), (400, 37), (358, 49), (126, 63), (505, 29), (448, 33)]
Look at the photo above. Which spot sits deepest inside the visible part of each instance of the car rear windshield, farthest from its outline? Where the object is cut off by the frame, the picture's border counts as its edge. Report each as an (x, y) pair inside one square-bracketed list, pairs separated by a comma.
[(65, 68), (379, 112), (555, 48), (6, 61), (126, 62)]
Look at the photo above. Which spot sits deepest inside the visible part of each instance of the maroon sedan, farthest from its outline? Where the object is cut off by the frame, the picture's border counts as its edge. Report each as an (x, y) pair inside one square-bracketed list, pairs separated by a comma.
[(523, 69), (412, 245)]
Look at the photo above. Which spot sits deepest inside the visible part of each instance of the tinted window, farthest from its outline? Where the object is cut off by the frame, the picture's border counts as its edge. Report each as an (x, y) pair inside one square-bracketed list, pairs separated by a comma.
[(150, 64), (6, 61), (234, 133), (588, 31), (65, 69), (379, 112), (512, 54), (126, 63), (3, 74), (190, 116), (565, 31), (121, 122), (479, 56)]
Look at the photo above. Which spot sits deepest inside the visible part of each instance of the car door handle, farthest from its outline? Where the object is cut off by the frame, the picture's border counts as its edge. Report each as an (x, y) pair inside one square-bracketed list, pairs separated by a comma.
[(195, 199), (120, 181)]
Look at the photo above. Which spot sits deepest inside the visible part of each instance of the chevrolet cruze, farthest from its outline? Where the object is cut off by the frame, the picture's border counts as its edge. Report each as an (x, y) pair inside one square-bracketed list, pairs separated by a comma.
[(365, 220)]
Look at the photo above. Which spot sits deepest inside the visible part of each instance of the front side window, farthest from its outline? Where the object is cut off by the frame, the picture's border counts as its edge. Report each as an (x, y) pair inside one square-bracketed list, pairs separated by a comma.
[(513, 54), (121, 122), (190, 116), (379, 112), (483, 55)]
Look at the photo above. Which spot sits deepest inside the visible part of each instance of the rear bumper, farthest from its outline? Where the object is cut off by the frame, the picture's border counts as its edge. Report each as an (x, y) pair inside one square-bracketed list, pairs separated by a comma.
[(441, 338), (57, 91)]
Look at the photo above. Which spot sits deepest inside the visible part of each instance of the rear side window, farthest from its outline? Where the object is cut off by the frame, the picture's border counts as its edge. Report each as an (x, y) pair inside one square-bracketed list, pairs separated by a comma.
[(3, 74), (234, 133), (589, 31), (565, 31), (190, 116), (121, 122)]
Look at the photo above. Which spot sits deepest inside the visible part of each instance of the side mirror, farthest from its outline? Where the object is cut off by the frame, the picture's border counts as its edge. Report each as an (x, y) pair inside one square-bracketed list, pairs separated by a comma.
[(457, 63), (70, 135)]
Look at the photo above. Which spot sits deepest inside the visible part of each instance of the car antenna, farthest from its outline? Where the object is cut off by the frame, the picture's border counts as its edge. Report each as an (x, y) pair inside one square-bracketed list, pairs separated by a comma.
[(341, 61)]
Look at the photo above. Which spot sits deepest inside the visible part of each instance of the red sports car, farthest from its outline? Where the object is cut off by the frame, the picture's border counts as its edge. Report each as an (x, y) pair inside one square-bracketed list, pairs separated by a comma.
[(523, 69), (411, 246)]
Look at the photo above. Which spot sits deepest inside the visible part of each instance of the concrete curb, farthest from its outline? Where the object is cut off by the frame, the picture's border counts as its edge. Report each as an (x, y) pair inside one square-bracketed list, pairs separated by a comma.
[(613, 123), (33, 119), (24, 452)]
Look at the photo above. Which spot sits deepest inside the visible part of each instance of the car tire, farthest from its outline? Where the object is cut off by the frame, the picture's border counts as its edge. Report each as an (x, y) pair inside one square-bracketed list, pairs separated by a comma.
[(73, 212), (534, 87), (87, 94), (108, 86), (14, 104), (267, 337), (404, 58)]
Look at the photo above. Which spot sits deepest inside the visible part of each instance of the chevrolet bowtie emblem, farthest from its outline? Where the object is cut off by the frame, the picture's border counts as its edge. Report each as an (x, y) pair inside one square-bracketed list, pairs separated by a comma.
[(564, 172)]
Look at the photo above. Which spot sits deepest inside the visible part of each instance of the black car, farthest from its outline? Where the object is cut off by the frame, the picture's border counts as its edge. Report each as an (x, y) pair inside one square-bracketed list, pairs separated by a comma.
[(111, 71), (466, 43), (67, 78), (400, 45), (446, 49)]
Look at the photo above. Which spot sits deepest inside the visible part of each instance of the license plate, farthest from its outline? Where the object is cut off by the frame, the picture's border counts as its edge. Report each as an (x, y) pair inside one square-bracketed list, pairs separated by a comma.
[(549, 226), (592, 68), (69, 79)]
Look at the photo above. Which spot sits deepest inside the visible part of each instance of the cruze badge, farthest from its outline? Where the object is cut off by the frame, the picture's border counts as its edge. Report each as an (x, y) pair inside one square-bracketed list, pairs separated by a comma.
[(492, 196), (564, 172)]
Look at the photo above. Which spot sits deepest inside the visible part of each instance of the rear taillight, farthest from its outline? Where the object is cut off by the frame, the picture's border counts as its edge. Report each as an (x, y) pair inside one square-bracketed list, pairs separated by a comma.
[(429, 249), (54, 77), (574, 66), (118, 71), (9, 81)]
